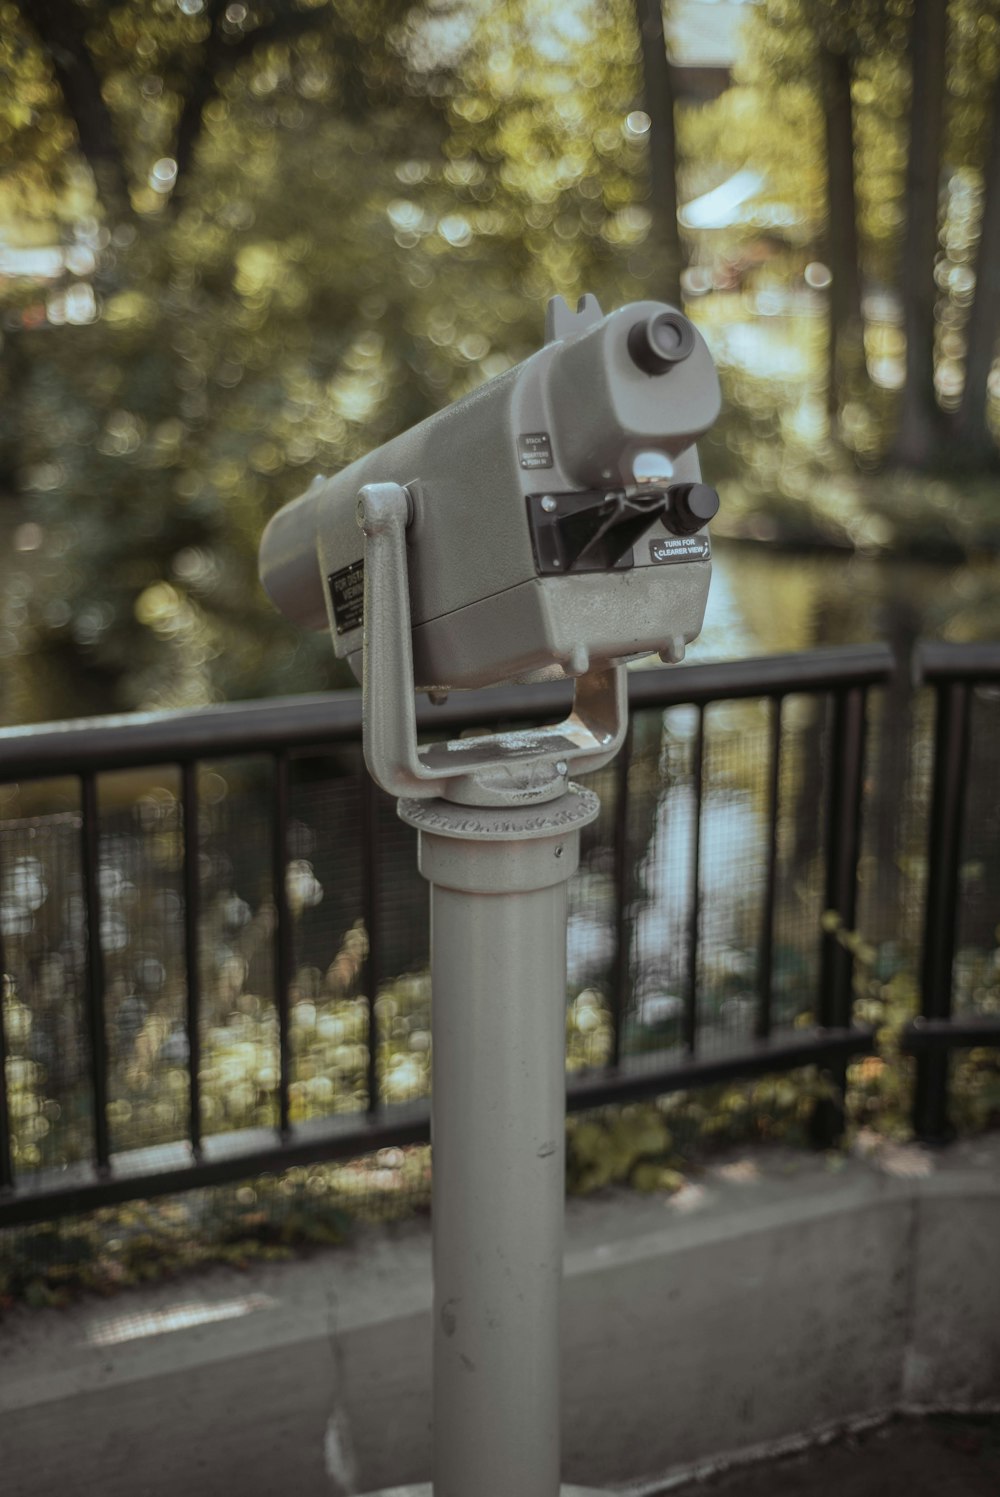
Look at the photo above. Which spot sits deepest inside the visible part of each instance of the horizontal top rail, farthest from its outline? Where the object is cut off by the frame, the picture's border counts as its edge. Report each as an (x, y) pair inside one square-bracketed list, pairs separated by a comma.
[(764, 676), (89, 745), (937, 661)]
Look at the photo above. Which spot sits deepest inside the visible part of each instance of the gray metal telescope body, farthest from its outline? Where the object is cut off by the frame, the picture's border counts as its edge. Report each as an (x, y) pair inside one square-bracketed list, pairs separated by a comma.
[(572, 418)]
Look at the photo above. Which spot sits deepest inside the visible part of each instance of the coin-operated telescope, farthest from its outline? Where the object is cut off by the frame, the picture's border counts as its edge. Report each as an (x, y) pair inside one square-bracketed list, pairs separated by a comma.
[(552, 523)]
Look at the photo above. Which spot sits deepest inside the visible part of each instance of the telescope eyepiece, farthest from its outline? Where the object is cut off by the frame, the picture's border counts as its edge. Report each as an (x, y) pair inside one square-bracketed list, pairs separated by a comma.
[(659, 342)]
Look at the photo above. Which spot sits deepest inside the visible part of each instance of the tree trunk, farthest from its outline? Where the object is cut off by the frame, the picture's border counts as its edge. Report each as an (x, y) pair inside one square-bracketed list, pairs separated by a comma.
[(219, 56), (920, 425), (846, 339), (61, 28), (658, 92), (975, 445)]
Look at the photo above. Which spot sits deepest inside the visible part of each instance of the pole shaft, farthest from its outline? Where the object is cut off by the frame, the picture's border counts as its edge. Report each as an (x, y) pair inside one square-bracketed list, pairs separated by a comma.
[(498, 965), (498, 1123)]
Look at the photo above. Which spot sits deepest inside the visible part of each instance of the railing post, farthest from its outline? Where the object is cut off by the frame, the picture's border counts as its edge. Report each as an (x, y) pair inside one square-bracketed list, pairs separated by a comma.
[(6, 1143), (947, 823), (96, 1028), (192, 951), (370, 879), (765, 971), (689, 1023), (624, 885), (843, 850), (283, 948)]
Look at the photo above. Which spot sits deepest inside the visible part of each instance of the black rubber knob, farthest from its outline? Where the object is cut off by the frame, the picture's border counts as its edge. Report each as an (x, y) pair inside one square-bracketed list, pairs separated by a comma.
[(692, 505), (659, 342)]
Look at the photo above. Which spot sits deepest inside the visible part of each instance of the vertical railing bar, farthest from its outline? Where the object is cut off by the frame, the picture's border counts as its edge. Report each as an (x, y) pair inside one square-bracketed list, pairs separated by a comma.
[(843, 852), (766, 965), (370, 877), (622, 963), (192, 953), (6, 1142), (94, 991), (945, 837), (690, 1021), (829, 945), (283, 934)]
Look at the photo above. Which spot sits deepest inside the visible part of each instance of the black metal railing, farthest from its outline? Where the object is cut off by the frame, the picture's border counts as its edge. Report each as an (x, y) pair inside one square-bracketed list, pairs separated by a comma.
[(954, 672), (287, 730)]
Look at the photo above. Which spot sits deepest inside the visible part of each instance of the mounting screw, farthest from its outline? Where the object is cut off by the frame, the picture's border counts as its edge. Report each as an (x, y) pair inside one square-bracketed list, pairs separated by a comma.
[(548, 503), (562, 767), (560, 850)]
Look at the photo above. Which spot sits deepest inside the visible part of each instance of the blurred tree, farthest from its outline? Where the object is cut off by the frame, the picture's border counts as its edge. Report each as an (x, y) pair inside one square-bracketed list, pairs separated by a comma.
[(208, 337), (658, 96), (288, 230), (905, 210), (951, 296), (187, 50), (975, 442), (846, 336), (919, 427), (829, 45)]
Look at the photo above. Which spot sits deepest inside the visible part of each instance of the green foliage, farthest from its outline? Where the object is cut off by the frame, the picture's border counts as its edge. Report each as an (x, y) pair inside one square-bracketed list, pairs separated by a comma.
[(662, 1144), (121, 1247), (291, 230)]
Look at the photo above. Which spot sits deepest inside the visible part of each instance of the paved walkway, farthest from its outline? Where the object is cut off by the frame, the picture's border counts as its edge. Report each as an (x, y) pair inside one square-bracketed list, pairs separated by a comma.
[(933, 1457)]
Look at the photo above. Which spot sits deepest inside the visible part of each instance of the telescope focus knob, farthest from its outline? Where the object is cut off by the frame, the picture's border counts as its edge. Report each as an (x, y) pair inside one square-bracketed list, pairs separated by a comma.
[(691, 506)]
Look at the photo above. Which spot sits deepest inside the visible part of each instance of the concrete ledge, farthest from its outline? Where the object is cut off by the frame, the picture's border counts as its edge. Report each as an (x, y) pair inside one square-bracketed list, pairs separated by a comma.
[(779, 1296)]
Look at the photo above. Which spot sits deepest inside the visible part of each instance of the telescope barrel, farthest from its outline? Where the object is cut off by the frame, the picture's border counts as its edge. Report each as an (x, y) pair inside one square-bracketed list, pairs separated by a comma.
[(289, 565)]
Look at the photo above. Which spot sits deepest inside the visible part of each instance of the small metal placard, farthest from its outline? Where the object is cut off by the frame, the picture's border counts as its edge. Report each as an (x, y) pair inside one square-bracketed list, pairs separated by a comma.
[(534, 449), (671, 548), (347, 591)]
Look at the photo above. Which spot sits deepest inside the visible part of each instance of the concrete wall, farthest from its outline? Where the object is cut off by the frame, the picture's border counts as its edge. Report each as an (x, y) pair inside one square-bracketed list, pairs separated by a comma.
[(780, 1295)]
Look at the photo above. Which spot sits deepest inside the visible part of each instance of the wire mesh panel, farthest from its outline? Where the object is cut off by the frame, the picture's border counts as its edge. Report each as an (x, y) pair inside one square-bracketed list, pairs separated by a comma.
[(976, 988), (402, 960), (140, 858), (735, 837), (892, 874), (328, 1017), (662, 836), (801, 854), (729, 853), (43, 921), (592, 934), (239, 1039)]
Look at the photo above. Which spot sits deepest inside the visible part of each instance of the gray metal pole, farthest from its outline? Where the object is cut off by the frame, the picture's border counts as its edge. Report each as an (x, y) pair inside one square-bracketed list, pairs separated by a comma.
[(498, 960)]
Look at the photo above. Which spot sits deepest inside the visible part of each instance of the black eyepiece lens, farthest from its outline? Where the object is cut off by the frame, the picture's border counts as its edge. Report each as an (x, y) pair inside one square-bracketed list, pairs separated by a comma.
[(660, 342), (665, 336)]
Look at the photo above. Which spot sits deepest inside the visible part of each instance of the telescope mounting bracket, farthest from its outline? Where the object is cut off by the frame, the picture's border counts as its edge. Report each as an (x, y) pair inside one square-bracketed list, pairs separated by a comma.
[(500, 769)]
